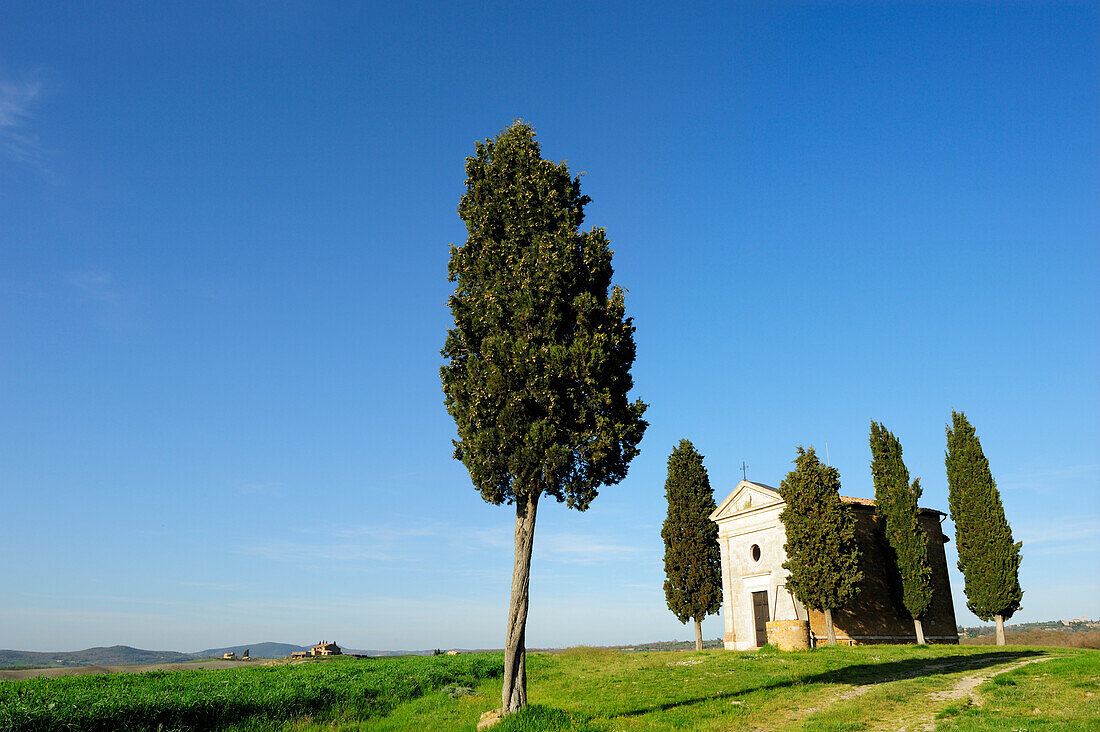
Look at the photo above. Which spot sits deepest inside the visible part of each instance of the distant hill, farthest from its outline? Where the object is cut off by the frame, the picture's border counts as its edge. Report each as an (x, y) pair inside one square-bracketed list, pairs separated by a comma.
[(267, 649), (99, 656), (127, 656), (283, 650)]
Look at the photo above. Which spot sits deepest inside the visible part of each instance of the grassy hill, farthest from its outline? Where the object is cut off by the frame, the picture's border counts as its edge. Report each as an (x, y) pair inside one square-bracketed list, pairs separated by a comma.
[(594, 690), (99, 656)]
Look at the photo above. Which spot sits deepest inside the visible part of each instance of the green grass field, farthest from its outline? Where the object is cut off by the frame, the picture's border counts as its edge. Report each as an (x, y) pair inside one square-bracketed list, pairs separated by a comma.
[(867, 688)]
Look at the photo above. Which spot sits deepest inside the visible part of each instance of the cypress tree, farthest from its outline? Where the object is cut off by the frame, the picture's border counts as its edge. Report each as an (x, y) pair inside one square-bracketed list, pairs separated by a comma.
[(896, 504), (822, 554), (693, 565), (988, 558), (538, 361)]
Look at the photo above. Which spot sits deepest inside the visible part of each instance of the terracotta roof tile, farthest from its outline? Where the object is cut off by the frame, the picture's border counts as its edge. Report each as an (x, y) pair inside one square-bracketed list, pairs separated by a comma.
[(871, 503), (860, 501)]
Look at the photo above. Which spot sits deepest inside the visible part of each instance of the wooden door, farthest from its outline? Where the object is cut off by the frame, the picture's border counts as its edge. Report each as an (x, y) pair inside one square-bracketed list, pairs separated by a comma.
[(760, 616)]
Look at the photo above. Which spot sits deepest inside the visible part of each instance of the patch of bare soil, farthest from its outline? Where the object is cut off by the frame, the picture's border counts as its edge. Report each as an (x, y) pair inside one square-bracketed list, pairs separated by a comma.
[(52, 673)]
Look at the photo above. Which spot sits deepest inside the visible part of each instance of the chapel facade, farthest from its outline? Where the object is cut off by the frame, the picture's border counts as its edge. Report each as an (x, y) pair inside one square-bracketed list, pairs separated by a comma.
[(751, 539)]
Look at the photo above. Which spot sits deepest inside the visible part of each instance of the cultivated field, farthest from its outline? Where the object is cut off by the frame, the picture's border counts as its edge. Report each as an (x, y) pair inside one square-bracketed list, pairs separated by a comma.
[(868, 688)]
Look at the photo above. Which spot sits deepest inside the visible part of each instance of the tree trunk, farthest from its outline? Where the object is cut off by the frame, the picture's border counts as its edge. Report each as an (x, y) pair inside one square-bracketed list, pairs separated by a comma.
[(698, 634), (1000, 629), (513, 695), (829, 627), (920, 630)]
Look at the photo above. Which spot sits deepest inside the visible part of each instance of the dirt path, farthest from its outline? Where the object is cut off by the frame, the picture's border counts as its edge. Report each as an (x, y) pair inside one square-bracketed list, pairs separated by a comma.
[(938, 700), (965, 687)]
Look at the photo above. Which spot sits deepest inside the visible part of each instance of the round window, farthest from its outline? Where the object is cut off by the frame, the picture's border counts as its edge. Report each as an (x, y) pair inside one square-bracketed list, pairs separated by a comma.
[(755, 552)]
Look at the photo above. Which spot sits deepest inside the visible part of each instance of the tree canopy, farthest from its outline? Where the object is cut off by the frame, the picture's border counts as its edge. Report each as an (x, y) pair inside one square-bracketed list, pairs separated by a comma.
[(988, 558), (896, 504), (822, 554), (693, 564), (538, 362)]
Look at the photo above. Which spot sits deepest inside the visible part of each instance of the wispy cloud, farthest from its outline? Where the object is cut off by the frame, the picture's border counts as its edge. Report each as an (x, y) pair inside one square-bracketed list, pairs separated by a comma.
[(410, 542), (583, 548), (1065, 535), (98, 294), (311, 554), (394, 532), (95, 284), (259, 488), (1050, 477), (219, 586), (17, 140), (328, 545), (71, 616)]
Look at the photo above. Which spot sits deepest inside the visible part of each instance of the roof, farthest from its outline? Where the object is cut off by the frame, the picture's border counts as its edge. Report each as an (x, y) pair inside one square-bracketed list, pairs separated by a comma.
[(871, 504), (744, 493), (765, 496), (860, 501)]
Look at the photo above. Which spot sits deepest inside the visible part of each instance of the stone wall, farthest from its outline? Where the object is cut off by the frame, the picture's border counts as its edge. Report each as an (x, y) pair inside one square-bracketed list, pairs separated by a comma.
[(878, 614), (789, 635)]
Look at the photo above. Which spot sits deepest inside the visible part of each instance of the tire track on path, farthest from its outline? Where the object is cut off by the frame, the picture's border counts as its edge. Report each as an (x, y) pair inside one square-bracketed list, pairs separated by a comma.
[(965, 687), (959, 689)]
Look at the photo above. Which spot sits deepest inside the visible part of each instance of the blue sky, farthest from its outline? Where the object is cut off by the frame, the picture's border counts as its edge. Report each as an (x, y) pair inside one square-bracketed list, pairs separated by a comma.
[(223, 248)]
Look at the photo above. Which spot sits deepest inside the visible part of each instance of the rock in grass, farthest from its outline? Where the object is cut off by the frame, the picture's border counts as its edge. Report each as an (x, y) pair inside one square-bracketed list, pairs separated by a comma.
[(488, 719)]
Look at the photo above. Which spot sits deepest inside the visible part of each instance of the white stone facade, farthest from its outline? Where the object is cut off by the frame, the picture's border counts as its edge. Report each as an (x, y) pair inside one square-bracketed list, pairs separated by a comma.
[(751, 539)]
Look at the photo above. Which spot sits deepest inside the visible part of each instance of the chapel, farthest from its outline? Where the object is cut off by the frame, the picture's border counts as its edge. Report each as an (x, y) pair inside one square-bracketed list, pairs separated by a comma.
[(751, 539)]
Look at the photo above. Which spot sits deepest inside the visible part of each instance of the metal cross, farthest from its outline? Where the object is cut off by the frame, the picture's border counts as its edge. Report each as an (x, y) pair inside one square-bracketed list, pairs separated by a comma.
[(744, 470)]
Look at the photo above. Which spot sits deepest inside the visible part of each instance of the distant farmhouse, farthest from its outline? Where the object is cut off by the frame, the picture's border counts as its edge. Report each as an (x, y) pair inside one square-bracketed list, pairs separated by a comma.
[(324, 648), (751, 539)]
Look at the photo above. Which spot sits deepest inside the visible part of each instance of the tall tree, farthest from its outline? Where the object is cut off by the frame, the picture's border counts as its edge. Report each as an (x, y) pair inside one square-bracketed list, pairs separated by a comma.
[(988, 558), (538, 362), (822, 554), (693, 565), (896, 504)]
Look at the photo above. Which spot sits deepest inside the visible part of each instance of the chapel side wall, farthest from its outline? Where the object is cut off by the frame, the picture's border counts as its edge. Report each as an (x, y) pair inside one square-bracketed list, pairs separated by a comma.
[(939, 623), (872, 614), (877, 614)]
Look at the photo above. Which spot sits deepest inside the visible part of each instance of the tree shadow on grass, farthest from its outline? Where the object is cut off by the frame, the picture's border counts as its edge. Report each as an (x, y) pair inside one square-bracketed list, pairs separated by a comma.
[(857, 674)]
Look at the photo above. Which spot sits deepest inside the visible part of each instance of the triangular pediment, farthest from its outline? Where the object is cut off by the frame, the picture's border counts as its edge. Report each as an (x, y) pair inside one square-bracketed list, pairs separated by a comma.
[(747, 496)]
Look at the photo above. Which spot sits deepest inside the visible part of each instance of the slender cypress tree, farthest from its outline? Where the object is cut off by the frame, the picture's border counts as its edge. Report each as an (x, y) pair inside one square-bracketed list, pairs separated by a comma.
[(693, 565), (822, 554), (988, 558), (896, 505), (538, 361)]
